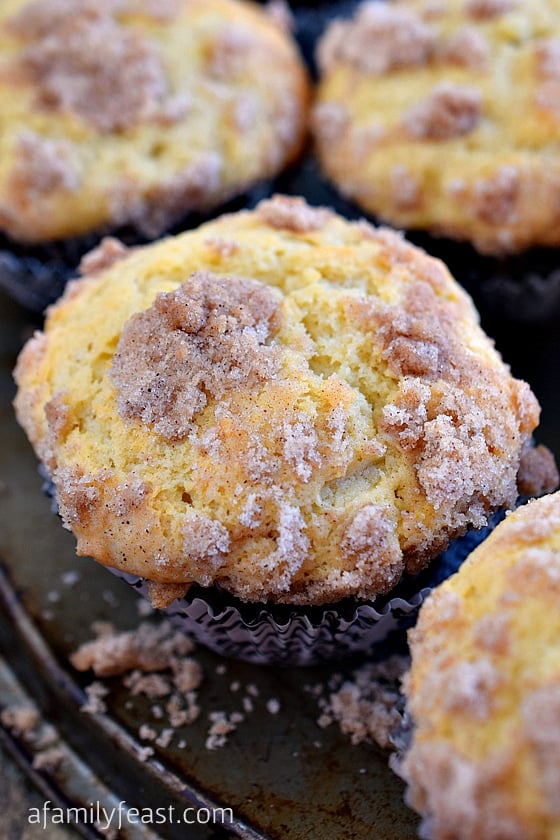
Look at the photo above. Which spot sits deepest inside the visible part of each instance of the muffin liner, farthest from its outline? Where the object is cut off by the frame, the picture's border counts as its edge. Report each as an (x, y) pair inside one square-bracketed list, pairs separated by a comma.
[(36, 275), (283, 634), (280, 634), (522, 288)]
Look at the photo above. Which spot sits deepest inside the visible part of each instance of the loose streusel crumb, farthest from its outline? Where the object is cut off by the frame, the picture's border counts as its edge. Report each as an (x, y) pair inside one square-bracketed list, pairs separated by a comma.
[(366, 705), (21, 720), (151, 647), (95, 703)]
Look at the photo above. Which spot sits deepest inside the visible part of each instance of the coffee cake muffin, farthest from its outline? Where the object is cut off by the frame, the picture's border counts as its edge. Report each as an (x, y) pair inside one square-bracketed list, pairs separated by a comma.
[(444, 117), (294, 407), (484, 688), (131, 114)]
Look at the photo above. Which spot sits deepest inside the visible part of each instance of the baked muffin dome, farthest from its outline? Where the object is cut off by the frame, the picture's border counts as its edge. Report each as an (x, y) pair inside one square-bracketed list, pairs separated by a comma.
[(445, 116), (291, 405), (484, 688), (135, 113)]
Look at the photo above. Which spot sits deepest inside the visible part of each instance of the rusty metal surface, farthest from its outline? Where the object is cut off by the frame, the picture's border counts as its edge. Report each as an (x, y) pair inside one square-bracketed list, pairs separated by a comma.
[(284, 778)]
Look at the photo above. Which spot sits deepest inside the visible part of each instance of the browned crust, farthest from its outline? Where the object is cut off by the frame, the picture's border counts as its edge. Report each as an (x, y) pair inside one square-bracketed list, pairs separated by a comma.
[(299, 409)]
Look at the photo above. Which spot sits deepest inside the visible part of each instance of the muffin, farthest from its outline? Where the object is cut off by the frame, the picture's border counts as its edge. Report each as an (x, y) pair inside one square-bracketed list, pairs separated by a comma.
[(292, 407), (130, 115), (484, 688), (444, 117)]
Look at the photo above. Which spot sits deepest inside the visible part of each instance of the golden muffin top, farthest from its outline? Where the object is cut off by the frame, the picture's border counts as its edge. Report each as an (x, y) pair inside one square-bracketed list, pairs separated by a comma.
[(291, 405), (484, 688), (135, 112), (445, 116)]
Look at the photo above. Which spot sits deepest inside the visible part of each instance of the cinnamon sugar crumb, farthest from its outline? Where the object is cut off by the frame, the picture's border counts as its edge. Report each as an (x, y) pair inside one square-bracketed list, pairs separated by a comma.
[(379, 38), (280, 13), (147, 733), (169, 200), (221, 727), (293, 214), (495, 198), (227, 54), (151, 647), (547, 54), (81, 59), (466, 48), (366, 706), (330, 121), (95, 704), (371, 541), (20, 720), (450, 111), (109, 251), (153, 686), (406, 190), (198, 342), (488, 9), (538, 473), (222, 247), (540, 711), (42, 166), (206, 540)]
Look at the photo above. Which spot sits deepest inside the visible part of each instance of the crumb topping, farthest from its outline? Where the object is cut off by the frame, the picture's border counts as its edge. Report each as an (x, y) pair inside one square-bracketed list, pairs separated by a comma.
[(547, 53), (495, 199), (300, 437), (164, 11), (81, 59), (106, 254), (538, 473), (540, 711), (460, 793), (406, 189), (171, 199), (379, 38), (42, 166), (293, 214), (330, 120), (466, 48), (222, 247), (194, 344), (207, 542), (280, 13), (450, 111), (488, 9), (227, 52), (371, 541)]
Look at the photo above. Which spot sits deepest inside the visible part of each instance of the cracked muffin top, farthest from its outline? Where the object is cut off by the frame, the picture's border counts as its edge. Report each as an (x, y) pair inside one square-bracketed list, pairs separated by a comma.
[(135, 112), (484, 688), (445, 116), (294, 406)]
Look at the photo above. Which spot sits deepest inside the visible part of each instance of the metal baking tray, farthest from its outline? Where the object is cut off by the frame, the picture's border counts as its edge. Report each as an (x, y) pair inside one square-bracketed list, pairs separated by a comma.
[(283, 777)]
